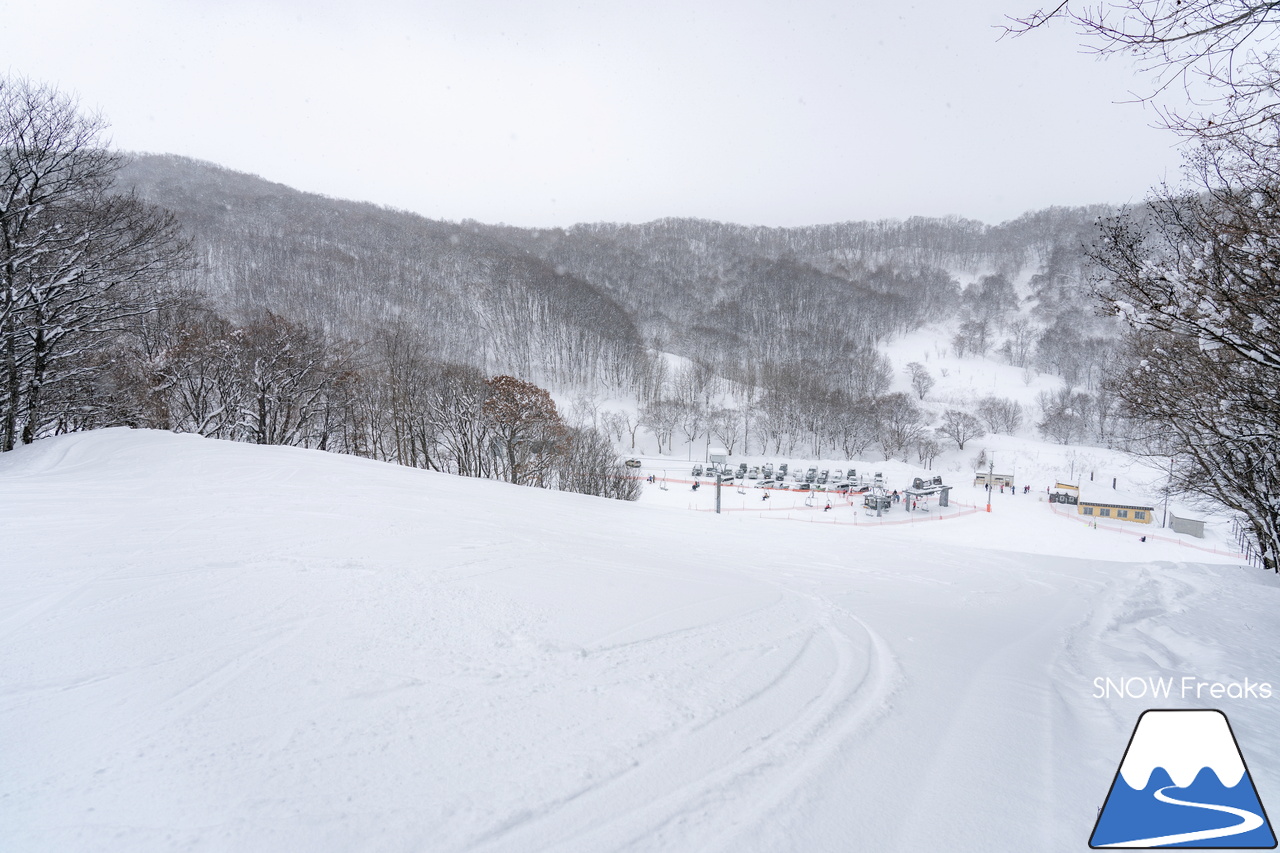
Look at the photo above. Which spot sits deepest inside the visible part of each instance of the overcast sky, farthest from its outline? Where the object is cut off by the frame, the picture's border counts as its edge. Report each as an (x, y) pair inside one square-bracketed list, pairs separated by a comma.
[(550, 113)]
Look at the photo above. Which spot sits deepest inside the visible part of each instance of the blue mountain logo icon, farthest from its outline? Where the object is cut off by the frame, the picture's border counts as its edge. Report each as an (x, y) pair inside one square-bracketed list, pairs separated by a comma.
[(1183, 783)]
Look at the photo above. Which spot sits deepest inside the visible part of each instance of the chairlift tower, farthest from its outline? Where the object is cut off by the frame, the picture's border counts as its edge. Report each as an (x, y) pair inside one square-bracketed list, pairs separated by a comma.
[(991, 480)]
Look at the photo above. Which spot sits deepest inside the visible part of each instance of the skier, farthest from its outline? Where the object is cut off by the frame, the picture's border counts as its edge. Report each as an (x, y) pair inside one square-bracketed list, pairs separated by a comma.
[(695, 485), (827, 507), (765, 497)]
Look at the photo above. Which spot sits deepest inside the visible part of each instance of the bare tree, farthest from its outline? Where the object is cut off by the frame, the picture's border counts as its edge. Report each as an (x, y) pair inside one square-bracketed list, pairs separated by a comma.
[(1224, 49), (728, 425), (921, 380), (526, 428), (1000, 414), (661, 417), (960, 427), (75, 259), (588, 465), (1064, 414), (899, 424), (927, 450)]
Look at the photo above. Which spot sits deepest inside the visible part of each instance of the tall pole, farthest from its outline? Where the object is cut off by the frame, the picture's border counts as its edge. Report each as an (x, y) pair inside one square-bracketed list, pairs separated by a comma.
[(719, 479), (1168, 487), (991, 479)]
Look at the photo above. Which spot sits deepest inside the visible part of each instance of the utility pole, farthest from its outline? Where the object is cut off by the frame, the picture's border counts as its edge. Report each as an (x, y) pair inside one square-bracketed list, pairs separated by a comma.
[(719, 480), (991, 479)]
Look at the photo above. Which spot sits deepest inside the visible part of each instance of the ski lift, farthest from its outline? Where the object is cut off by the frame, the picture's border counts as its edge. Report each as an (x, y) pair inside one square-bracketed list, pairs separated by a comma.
[(876, 503)]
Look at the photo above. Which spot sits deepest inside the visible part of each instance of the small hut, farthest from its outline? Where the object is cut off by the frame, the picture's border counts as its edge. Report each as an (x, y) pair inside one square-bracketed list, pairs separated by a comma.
[(1191, 526), (1064, 493)]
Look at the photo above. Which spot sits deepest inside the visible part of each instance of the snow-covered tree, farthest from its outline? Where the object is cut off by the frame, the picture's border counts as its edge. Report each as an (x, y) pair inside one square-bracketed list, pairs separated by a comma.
[(1196, 277), (76, 259)]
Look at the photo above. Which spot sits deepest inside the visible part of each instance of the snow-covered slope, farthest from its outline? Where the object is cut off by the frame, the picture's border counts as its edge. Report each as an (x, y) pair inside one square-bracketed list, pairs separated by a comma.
[(214, 646)]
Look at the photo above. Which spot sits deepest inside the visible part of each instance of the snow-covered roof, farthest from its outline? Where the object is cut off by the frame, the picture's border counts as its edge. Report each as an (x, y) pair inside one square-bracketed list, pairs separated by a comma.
[(1106, 496)]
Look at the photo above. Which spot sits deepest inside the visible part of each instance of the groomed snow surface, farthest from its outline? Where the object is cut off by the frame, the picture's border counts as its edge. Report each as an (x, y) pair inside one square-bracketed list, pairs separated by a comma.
[(208, 646)]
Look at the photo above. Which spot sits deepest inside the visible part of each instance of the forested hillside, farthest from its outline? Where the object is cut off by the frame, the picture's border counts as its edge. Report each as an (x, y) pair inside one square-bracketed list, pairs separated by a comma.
[(585, 308), (351, 269)]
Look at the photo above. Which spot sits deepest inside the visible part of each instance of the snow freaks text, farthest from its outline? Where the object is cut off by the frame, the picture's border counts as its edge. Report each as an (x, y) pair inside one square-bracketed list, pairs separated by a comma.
[(1186, 687)]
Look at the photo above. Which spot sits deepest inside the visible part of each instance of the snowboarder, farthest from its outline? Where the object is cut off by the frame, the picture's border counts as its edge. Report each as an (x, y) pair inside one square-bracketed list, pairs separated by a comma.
[(1143, 539), (827, 507), (695, 485), (896, 496), (765, 497)]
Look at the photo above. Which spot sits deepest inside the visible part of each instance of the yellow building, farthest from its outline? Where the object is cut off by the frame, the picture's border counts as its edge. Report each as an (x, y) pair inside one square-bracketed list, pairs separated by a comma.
[(1111, 504)]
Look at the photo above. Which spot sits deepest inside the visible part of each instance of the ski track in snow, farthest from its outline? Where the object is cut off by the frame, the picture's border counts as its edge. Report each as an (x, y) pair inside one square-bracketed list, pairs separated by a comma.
[(213, 646), (824, 681)]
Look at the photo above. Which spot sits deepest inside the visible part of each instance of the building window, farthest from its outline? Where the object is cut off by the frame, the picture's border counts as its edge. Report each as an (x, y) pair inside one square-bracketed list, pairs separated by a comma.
[(1088, 510), (1122, 513), (1139, 516), (1105, 512)]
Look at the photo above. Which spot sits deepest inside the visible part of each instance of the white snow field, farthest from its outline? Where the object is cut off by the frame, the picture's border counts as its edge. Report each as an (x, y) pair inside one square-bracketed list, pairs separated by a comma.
[(208, 646)]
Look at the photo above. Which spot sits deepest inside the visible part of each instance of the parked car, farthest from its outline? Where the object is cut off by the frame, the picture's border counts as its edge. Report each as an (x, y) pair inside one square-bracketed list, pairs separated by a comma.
[(837, 474), (804, 487), (633, 463), (824, 476), (754, 473), (782, 470), (767, 471), (811, 475)]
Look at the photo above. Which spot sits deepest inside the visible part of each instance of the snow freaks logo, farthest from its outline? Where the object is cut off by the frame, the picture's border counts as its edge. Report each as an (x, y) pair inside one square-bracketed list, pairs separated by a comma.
[(1183, 783), (1186, 687)]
